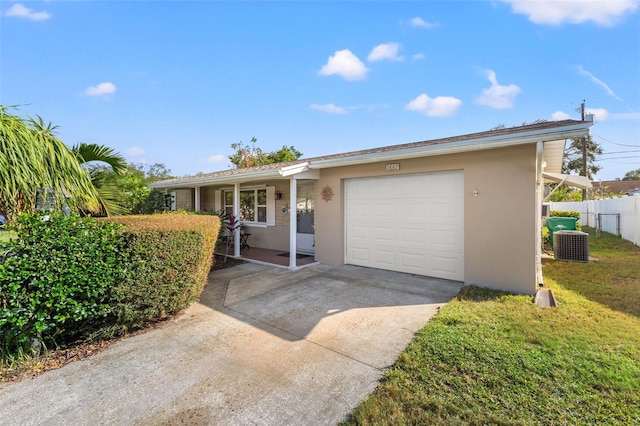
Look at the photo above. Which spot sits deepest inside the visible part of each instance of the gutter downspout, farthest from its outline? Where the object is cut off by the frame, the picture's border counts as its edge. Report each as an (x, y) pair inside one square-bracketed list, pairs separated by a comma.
[(538, 213)]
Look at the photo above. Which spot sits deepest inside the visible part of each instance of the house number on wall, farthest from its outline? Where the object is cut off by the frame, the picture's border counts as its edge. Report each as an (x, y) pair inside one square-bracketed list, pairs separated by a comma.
[(393, 167)]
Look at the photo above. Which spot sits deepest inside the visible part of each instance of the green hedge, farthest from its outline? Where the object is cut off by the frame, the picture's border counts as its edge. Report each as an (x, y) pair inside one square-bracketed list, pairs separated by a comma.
[(565, 213), (568, 213), (69, 277), (56, 280), (171, 256)]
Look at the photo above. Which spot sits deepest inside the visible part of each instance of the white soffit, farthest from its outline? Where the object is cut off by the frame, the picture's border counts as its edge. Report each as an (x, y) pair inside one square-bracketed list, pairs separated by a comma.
[(553, 155)]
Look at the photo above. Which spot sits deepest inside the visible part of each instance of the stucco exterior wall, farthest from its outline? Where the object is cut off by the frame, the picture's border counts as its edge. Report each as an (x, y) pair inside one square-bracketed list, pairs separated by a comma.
[(499, 223), (273, 237)]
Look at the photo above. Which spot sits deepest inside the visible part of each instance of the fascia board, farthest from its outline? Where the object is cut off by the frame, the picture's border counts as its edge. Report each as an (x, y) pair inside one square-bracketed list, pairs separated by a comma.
[(568, 132), (294, 169), (220, 180)]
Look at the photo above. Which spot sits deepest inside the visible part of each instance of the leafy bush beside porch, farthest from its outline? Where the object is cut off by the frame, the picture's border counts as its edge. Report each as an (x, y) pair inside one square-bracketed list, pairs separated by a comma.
[(70, 278), (170, 256)]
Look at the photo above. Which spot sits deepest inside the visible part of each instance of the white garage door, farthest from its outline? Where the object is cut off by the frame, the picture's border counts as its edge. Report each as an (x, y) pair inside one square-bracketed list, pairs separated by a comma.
[(409, 223)]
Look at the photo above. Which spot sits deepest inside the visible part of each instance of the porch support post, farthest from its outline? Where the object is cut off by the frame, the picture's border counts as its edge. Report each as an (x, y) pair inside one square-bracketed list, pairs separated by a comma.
[(293, 222), (538, 213), (236, 214), (197, 198)]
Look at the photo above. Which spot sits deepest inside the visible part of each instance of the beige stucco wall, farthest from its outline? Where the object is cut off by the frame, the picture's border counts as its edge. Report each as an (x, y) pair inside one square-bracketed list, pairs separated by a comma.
[(499, 224), (273, 237)]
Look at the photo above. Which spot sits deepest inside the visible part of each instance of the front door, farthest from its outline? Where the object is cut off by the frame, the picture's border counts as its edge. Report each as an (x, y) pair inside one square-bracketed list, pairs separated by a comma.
[(305, 237)]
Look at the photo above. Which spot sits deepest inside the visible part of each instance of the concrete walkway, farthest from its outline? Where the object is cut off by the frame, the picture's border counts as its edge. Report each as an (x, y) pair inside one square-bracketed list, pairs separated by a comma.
[(263, 346)]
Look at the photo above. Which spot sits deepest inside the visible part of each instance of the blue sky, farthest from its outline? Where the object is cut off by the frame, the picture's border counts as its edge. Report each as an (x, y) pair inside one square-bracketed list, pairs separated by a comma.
[(179, 82)]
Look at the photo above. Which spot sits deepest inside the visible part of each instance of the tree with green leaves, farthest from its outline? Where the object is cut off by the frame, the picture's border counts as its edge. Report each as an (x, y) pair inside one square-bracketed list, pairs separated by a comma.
[(32, 158), (632, 175), (131, 186), (573, 157), (246, 155), (95, 159)]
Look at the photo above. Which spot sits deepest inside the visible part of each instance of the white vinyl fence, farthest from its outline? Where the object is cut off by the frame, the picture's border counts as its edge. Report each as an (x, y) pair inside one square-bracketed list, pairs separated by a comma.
[(618, 216)]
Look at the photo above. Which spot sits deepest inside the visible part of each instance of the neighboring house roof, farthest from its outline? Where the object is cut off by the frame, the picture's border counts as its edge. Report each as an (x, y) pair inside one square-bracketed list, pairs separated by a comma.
[(617, 186), (553, 133)]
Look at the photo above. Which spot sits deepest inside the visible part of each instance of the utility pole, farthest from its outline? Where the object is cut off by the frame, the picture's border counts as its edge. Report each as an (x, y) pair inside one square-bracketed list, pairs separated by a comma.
[(584, 152)]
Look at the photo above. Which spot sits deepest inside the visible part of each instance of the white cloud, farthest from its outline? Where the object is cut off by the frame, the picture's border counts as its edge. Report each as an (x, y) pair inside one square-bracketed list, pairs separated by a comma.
[(105, 88), (497, 96), (134, 151), (560, 115), (597, 81), (600, 114), (418, 22), (345, 64), (418, 57), (554, 12), (20, 11), (329, 108), (215, 158), (440, 106), (388, 51), (625, 115)]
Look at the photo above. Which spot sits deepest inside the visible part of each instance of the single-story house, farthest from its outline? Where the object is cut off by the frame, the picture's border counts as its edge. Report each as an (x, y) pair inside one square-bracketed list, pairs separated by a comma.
[(617, 187), (464, 208)]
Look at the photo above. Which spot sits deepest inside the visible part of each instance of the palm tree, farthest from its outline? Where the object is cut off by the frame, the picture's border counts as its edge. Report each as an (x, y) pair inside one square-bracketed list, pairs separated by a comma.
[(32, 158), (109, 194)]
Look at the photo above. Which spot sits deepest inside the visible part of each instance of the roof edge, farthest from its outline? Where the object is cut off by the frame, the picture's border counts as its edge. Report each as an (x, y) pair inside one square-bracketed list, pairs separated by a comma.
[(573, 130)]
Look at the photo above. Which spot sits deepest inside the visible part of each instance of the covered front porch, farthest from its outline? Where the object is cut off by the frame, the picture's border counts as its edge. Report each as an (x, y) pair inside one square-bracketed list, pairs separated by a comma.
[(269, 211)]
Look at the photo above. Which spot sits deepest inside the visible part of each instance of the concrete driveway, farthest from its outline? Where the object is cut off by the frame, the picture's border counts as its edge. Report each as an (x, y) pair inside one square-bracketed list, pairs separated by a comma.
[(263, 346)]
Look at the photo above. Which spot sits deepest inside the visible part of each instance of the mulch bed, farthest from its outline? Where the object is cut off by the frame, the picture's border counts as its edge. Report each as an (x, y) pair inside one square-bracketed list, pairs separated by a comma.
[(58, 358)]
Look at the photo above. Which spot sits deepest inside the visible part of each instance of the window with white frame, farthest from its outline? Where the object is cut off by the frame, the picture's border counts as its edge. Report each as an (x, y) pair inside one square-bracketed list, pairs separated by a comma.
[(255, 205)]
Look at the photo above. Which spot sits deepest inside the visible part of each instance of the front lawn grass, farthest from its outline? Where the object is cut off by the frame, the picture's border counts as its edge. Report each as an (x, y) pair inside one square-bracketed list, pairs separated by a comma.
[(491, 357)]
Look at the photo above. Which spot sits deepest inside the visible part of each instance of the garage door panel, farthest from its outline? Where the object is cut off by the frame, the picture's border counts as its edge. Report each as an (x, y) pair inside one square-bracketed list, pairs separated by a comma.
[(382, 212), (413, 236), (443, 239), (360, 233), (414, 260), (445, 265), (441, 209), (360, 255), (385, 257), (384, 235), (358, 190), (410, 223)]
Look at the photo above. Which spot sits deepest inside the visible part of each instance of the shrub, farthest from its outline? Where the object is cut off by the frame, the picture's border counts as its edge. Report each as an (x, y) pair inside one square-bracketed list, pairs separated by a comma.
[(69, 278), (568, 213), (565, 213), (56, 280), (170, 258)]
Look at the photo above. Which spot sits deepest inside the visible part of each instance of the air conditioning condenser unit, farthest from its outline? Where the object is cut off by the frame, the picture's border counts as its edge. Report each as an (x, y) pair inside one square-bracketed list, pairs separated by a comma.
[(571, 245)]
